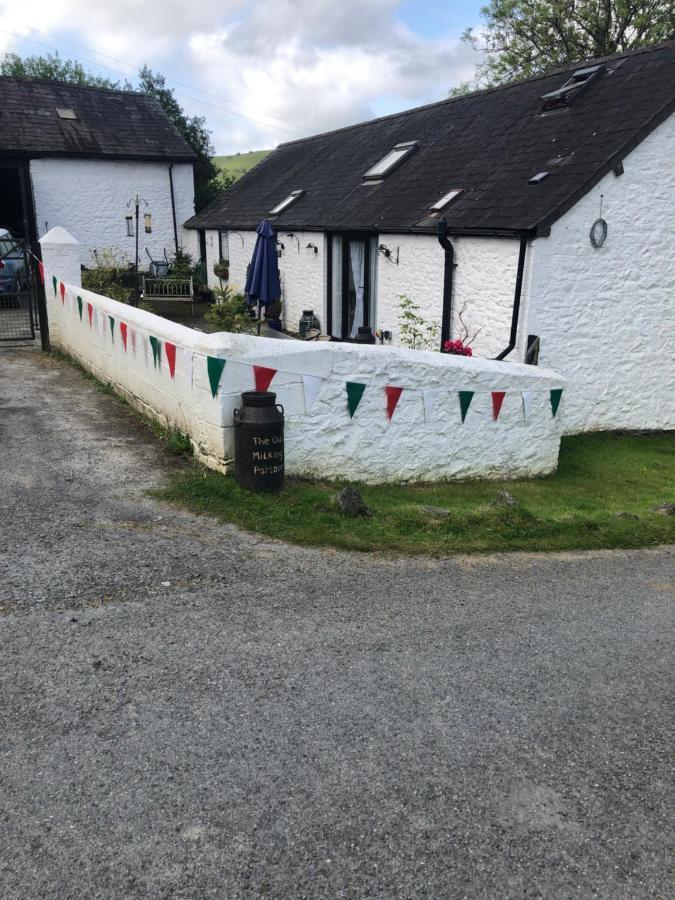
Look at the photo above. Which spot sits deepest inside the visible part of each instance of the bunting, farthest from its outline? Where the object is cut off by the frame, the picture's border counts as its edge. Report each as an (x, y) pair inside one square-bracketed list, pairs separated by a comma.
[(55, 282), (41, 271), (156, 345), (90, 313), (556, 394), (312, 385), (62, 291), (214, 367), (429, 398), (263, 377), (79, 306), (465, 398), (393, 395), (354, 393), (497, 400), (111, 319), (123, 333), (170, 351), (528, 397)]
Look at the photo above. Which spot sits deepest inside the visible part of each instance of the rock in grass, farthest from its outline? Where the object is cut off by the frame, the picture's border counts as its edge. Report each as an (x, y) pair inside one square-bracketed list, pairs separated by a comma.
[(350, 503), (666, 509), (436, 512), (627, 515), (505, 499)]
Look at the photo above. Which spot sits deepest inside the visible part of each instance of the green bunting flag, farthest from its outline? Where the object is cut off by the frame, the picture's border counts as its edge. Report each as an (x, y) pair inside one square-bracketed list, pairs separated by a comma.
[(556, 394), (79, 307), (465, 398), (215, 366), (55, 282), (156, 345), (111, 319), (354, 394)]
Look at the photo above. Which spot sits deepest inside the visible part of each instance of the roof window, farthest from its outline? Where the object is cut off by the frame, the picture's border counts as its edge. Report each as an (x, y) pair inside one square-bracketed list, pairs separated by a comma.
[(563, 96), (538, 178), (446, 198), (389, 162), (292, 198), (64, 113)]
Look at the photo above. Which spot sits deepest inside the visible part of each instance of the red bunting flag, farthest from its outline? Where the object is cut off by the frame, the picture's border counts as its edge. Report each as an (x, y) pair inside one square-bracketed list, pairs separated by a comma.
[(170, 350), (123, 332), (41, 270), (90, 312), (497, 400), (62, 289), (263, 377), (393, 396)]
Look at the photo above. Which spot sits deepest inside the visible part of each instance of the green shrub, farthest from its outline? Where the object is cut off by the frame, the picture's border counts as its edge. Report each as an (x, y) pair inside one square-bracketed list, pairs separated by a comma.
[(230, 312)]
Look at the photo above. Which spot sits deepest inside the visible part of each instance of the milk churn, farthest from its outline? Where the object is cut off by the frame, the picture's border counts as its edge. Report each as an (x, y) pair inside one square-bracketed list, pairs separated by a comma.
[(307, 321), (259, 442)]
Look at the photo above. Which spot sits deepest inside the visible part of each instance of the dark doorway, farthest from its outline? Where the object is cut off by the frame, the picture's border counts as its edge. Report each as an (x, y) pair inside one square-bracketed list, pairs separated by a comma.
[(352, 284), (12, 212)]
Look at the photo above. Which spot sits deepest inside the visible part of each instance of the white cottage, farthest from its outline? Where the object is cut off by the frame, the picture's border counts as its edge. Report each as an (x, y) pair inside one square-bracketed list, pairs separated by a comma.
[(543, 209), (77, 157)]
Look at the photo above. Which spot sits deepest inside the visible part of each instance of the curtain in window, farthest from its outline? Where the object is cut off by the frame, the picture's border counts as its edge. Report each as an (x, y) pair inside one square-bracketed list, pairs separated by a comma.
[(356, 258)]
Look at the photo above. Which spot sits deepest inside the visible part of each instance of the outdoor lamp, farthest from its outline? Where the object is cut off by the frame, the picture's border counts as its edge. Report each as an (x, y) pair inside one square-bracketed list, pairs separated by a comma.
[(311, 247), (147, 221), (130, 226)]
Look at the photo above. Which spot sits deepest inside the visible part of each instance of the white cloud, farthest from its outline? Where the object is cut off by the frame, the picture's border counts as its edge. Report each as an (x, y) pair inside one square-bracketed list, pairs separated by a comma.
[(292, 67)]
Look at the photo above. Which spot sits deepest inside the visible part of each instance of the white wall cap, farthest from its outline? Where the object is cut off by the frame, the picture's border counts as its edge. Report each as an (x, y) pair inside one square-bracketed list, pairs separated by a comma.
[(58, 235)]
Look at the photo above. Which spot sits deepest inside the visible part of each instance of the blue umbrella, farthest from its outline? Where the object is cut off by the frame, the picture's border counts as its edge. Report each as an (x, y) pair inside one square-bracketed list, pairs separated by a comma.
[(262, 281)]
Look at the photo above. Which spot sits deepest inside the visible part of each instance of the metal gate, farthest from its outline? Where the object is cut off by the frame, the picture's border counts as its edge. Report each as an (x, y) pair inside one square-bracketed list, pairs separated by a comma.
[(18, 306)]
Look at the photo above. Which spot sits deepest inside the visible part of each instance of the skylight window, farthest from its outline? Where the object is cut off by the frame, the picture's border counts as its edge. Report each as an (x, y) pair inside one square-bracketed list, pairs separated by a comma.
[(538, 178), (292, 198), (64, 113), (390, 161), (561, 97), (445, 199)]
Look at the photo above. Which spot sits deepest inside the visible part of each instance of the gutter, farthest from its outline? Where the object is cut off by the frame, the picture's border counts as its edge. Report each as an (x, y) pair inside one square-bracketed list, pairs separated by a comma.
[(173, 208), (516, 299), (448, 272)]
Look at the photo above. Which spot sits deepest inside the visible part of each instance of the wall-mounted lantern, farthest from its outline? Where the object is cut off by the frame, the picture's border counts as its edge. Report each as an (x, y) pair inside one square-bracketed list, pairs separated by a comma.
[(388, 253), (147, 221), (312, 248), (280, 248)]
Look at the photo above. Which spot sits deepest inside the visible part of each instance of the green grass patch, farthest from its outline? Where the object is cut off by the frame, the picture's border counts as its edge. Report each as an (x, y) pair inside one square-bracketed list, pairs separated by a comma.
[(238, 164), (599, 477)]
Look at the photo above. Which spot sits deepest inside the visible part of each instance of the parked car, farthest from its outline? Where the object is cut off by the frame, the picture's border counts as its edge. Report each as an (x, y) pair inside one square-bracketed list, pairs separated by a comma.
[(12, 264)]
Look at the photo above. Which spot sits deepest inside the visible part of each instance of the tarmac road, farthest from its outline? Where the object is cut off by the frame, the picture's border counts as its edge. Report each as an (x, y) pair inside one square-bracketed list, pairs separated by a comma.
[(188, 711)]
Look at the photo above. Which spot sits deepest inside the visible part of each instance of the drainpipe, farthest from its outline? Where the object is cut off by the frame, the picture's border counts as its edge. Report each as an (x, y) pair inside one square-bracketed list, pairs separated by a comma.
[(173, 208), (448, 270), (516, 299)]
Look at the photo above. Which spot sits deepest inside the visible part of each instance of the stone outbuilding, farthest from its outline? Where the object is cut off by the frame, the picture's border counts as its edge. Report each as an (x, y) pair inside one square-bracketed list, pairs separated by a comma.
[(540, 211), (77, 157)]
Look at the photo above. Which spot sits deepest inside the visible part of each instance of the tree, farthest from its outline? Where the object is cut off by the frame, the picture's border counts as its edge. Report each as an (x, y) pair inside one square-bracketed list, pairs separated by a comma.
[(209, 180), (521, 38), (53, 68)]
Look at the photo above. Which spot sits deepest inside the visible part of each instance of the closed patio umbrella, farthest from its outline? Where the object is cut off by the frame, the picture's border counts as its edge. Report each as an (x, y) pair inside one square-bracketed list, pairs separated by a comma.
[(262, 281)]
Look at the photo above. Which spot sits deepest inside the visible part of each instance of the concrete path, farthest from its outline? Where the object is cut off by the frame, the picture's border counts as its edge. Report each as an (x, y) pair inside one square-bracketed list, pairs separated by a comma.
[(187, 711)]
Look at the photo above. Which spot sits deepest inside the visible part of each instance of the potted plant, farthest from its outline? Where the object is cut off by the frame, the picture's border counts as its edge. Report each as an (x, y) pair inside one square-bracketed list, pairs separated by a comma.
[(221, 269), (462, 346), (273, 315)]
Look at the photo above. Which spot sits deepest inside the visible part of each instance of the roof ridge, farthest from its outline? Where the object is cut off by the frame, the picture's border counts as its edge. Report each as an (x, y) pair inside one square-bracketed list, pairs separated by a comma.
[(80, 87), (488, 90)]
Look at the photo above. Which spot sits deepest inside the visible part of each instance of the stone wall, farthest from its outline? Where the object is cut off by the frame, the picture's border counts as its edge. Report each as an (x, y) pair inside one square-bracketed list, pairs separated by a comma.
[(418, 444)]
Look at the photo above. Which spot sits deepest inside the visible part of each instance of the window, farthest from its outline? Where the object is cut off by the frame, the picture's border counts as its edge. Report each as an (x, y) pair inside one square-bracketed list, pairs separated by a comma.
[(390, 161), (281, 207), (561, 97), (445, 199), (63, 113), (538, 178)]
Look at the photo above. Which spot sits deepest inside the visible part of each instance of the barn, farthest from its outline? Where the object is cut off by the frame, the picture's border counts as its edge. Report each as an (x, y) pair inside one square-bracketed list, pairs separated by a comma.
[(537, 216)]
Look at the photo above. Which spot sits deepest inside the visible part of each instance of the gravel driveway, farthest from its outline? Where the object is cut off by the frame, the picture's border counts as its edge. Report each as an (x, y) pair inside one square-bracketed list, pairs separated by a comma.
[(188, 711)]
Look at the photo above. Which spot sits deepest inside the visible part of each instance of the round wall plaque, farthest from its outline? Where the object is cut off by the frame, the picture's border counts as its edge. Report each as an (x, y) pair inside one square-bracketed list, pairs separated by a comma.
[(598, 233)]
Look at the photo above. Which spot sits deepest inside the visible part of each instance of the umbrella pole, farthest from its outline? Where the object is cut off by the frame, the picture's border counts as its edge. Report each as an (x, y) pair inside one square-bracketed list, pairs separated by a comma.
[(259, 315)]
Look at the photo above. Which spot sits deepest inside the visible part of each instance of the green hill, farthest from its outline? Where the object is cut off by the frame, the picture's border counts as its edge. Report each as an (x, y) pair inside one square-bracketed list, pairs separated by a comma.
[(239, 163)]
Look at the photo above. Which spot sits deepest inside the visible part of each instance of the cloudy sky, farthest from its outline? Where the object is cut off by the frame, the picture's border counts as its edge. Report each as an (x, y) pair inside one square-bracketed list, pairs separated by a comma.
[(261, 71)]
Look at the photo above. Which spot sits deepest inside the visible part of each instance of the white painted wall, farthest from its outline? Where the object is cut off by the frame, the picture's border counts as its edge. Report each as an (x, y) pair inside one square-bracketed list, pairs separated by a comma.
[(324, 442), (89, 198), (606, 317)]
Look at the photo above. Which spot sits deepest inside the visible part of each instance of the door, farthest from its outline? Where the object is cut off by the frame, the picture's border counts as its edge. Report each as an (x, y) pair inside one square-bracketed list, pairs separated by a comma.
[(352, 284)]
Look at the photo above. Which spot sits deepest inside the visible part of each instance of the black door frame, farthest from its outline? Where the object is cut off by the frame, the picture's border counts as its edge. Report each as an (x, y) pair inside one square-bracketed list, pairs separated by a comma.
[(347, 236)]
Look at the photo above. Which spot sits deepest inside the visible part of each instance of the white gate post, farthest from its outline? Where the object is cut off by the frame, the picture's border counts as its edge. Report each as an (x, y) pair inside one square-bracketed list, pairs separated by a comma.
[(61, 258)]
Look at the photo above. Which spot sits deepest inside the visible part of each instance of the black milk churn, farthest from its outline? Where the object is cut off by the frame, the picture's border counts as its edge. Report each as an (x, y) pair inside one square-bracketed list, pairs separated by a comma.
[(259, 442)]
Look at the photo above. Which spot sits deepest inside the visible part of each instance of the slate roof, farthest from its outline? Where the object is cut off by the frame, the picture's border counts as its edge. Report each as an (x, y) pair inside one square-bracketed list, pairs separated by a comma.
[(111, 124), (490, 143)]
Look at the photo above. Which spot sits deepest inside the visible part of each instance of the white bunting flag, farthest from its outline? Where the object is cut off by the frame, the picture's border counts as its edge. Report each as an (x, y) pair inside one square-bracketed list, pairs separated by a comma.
[(146, 346), (312, 385), (528, 397), (132, 340), (430, 396), (185, 364)]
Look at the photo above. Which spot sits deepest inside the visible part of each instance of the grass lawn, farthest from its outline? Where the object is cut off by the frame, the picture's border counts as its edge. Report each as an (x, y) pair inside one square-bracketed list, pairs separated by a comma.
[(600, 476), (239, 163)]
